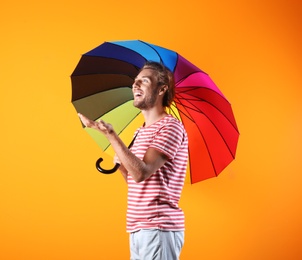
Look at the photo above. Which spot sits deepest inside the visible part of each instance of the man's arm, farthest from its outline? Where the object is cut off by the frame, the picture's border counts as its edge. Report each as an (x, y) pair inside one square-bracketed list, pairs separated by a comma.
[(140, 170), (122, 169)]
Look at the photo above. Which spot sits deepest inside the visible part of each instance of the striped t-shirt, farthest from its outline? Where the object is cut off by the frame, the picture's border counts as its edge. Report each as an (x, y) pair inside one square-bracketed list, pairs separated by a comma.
[(153, 203)]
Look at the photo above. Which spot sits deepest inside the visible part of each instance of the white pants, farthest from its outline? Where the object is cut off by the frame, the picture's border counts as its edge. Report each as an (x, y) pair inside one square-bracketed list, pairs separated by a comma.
[(154, 244)]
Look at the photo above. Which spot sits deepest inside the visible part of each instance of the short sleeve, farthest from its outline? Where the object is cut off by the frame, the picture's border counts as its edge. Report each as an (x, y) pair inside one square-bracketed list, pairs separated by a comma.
[(169, 138)]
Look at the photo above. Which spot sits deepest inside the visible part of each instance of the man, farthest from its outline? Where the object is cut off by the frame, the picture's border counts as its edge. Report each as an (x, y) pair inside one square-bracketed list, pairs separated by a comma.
[(154, 167)]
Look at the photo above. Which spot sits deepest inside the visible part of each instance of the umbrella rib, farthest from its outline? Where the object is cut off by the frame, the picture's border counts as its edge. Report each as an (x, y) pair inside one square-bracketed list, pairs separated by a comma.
[(152, 49), (109, 59), (189, 74), (213, 165), (160, 57), (124, 47), (105, 73), (197, 110), (103, 91), (171, 111), (120, 104), (196, 88), (203, 100)]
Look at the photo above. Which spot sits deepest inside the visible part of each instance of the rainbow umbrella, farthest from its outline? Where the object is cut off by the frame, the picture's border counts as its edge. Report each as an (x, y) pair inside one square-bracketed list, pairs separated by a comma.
[(101, 89)]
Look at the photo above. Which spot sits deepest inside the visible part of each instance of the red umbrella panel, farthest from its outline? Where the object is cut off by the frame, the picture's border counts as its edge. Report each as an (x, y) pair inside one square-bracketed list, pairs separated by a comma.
[(210, 124)]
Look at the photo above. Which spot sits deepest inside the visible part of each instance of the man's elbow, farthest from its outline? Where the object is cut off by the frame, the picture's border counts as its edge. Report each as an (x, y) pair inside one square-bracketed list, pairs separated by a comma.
[(141, 176)]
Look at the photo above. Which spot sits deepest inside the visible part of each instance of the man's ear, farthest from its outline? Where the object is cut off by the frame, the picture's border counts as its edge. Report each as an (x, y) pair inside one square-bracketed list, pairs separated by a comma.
[(163, 90)]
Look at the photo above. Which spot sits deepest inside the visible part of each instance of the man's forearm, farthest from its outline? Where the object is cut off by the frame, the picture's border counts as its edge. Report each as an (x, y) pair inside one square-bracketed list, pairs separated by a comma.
[(130, 162), (124, 172)]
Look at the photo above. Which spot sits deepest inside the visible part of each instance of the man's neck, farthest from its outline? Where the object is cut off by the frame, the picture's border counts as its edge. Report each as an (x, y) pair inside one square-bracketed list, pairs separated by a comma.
[(153, 115)]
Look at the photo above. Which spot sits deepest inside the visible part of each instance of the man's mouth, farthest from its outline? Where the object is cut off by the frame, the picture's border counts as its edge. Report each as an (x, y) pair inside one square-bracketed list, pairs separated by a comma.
[(138, 94)]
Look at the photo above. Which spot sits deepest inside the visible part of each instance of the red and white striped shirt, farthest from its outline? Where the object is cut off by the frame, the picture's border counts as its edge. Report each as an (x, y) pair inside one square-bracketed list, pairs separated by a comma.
[(153, 203)]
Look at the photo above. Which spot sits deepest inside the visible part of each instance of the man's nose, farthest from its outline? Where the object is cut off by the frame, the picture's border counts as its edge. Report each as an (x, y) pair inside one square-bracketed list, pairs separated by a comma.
[(136, 84)]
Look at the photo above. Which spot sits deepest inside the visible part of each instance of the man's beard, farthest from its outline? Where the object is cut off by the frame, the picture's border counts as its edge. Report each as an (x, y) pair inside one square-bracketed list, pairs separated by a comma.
[(147, 102)]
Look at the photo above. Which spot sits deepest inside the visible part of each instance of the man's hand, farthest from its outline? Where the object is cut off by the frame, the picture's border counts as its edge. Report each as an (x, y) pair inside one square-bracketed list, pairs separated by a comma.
[(87, 122), (101, 126)]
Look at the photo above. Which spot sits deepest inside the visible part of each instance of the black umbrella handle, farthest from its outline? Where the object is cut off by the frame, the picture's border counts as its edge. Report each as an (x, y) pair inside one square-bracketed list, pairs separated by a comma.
[(117, 165), (109, 171)]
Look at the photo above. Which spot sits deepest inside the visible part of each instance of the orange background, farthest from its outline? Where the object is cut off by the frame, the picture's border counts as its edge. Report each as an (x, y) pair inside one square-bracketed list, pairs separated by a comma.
[(55, 205)]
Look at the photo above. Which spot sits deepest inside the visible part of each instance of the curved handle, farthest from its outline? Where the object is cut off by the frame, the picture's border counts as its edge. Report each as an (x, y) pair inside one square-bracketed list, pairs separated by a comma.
[(100, 169)]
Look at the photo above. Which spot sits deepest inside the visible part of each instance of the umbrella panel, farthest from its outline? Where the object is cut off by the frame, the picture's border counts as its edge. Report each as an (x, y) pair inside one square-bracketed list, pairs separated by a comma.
[(114, 51), (97, 105), (174, 112), (87, 85), (89, 65), (200, 110), (123, 119), (212, 136)]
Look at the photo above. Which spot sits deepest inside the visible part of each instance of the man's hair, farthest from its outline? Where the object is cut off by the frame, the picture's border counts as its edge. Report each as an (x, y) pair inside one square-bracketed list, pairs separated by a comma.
[(164, 77)]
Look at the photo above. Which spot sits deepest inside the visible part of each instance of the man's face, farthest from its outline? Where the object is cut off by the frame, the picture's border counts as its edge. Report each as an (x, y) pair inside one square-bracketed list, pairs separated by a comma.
[(145, 89)]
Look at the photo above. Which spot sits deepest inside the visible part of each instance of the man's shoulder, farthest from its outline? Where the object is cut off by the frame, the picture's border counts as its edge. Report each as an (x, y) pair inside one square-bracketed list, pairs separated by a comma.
[(170, 120)]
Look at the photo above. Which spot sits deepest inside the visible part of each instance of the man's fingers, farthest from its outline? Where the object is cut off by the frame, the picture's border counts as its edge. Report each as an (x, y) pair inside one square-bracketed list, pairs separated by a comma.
[(86, 121), (100, 125), (116, 159)]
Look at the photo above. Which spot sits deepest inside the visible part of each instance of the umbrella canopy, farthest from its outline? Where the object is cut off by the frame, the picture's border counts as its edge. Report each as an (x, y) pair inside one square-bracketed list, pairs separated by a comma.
[(101, 89)]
